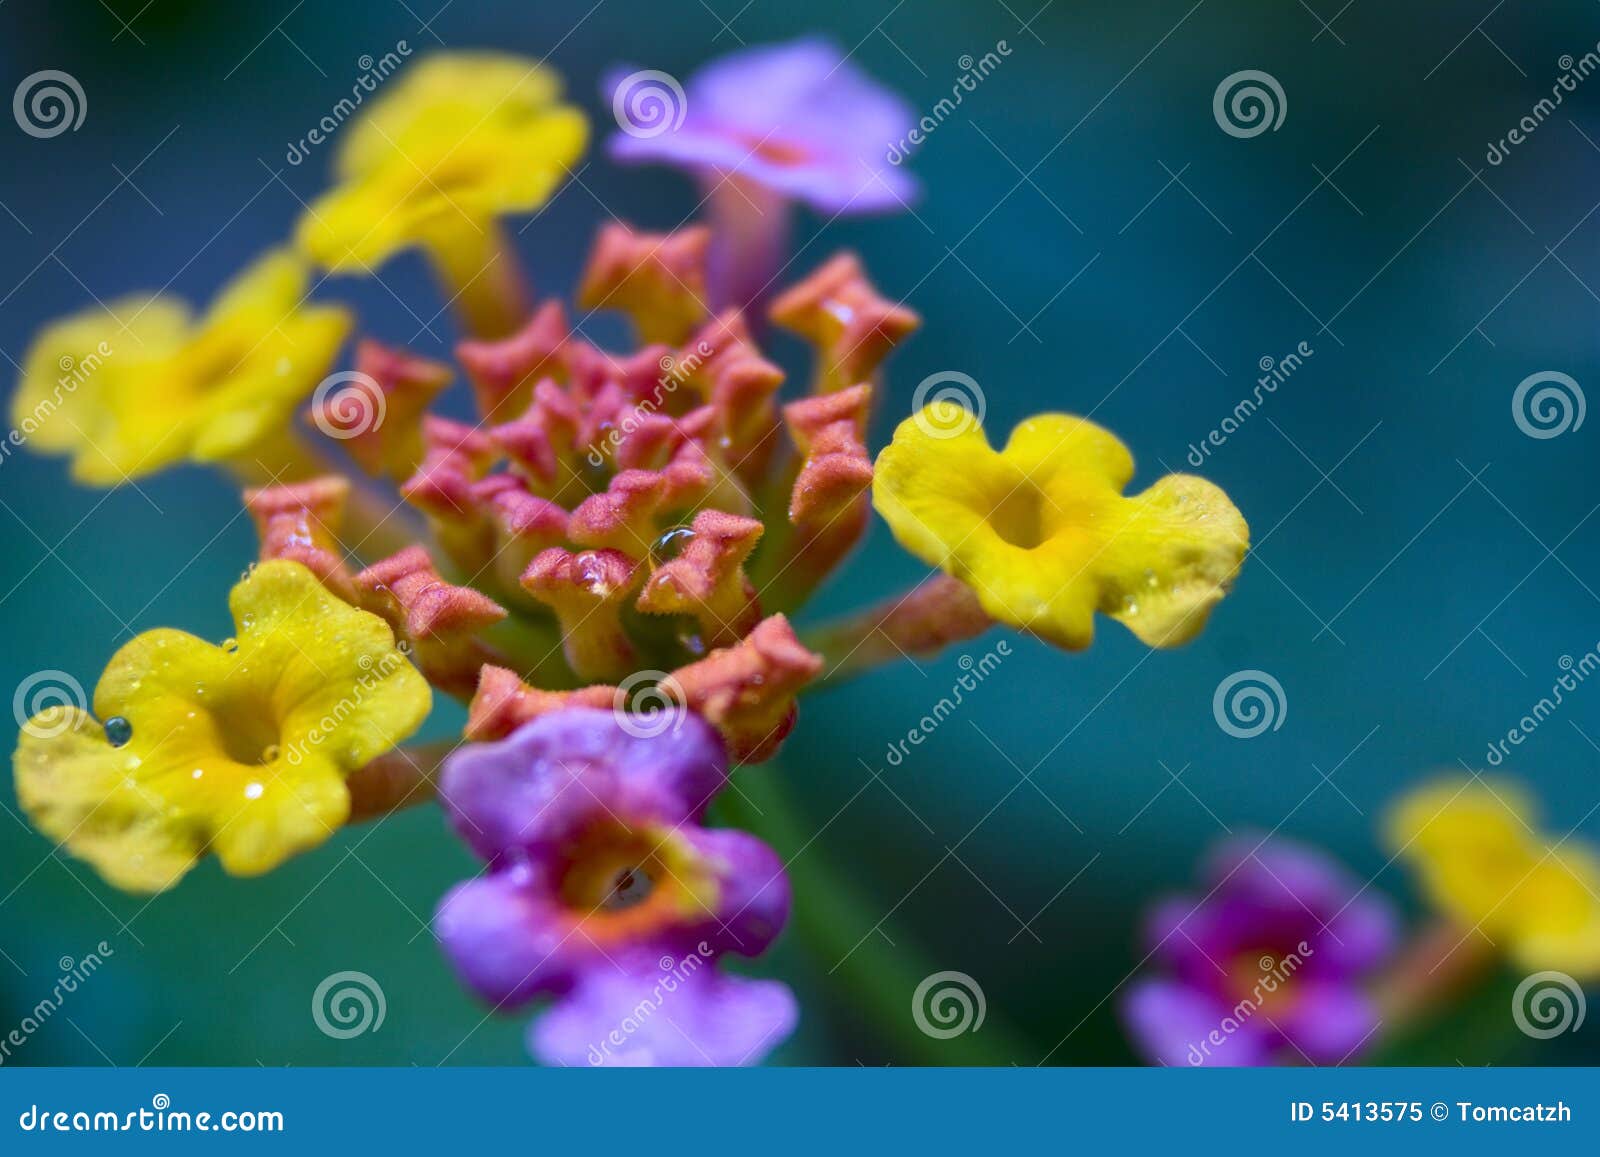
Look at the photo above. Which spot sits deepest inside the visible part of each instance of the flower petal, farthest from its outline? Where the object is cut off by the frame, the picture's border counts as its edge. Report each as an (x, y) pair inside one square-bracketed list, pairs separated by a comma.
[(1042, 532), (1174, 1024), (504, 797), (506, 939), (671, 1018), (77, 789)]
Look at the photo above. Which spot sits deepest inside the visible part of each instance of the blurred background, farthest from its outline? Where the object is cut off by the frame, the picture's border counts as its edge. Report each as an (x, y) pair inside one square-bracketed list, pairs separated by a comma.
[(1088, 239)]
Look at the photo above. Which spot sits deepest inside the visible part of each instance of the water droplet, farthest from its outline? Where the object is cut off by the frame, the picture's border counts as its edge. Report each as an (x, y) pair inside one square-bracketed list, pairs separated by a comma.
[(230, 646), (246, 622), (1130, 605), (269, 753), (671, 544), (118, 731), (1150, 579), (253, 790)]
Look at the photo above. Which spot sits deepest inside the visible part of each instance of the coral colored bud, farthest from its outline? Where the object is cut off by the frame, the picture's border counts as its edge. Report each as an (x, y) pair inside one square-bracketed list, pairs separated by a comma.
[(707, 579), (503, 372), (439, 619), (300, 522), (587, 592), (747, 691), (378, 412), (657, 279), (853, 327), (503, 703)]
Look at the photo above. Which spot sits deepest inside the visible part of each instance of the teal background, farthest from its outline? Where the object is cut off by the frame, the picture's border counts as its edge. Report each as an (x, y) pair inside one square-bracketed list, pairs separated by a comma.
[(1452, 600)]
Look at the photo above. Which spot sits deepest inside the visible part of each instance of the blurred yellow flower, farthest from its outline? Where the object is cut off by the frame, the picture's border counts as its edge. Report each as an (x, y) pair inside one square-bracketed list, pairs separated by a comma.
[(1485, 865), (1043, 535), (242, 749), (138, 385), (455, 142)]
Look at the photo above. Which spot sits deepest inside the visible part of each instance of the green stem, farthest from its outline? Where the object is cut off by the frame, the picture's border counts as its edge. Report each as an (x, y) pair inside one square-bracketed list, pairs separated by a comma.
[(838, 926)]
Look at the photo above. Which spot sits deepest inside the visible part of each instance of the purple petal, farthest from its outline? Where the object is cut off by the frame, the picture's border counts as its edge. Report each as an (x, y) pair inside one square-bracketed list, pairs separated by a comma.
[(798, 118), (753, 899), (506, 939), (1328, 1022), (684, 1016), (1174, 1024), (551, 775), (1280, 873), (1357, 940)]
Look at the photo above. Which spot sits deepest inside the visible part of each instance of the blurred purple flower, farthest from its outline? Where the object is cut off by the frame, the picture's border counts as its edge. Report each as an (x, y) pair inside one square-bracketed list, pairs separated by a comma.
[(604, 892), (762, 128), (1267, 967)]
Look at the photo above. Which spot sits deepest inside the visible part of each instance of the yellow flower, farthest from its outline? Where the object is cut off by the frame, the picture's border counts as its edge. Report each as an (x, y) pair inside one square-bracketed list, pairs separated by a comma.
[(456, 141), (1484, 864), (1043, 535), (242, 749), (141, 384)]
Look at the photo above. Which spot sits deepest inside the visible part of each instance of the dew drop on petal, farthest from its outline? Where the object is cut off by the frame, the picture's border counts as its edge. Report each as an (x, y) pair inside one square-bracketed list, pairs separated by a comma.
[(118, 731), (671, 544)]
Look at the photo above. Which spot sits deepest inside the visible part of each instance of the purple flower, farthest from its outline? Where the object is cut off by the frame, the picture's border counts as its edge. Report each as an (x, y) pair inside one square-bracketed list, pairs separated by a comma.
[(762, 128), (604, 892), (1267, 967)]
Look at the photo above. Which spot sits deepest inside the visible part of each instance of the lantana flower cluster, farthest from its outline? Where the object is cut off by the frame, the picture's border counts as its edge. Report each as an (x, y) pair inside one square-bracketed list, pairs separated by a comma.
[(603, 562)]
